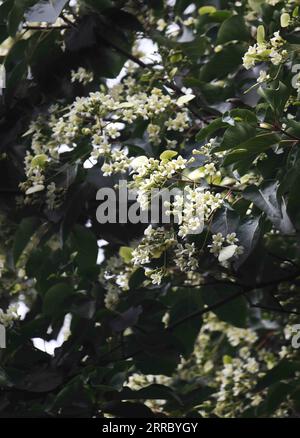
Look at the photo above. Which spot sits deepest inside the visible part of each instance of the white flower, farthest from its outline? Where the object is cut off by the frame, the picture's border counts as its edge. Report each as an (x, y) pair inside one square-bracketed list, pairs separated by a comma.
[(252, 366), (7, 318), (275, 57), (210, 169), (161, 25), (156, 275), (112, 130), (277, 40), (82, 75), (180, 123), (185, 257), (153, 132), (189, 21), (192, 208), (231, 238), (263, 77)]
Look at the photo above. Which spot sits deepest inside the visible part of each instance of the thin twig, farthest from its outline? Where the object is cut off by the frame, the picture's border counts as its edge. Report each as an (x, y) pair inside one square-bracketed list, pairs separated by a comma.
[(273, 309)]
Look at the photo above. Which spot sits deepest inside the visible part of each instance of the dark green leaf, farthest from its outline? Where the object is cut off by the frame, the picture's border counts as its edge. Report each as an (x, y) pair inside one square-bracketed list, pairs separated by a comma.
[(25, 231), (267, 199), (187, 302), (55, 297), (234, 28), (234, 312)]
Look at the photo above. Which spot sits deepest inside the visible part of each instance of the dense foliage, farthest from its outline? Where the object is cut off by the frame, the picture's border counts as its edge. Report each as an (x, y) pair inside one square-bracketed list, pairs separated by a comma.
[(191, 318)]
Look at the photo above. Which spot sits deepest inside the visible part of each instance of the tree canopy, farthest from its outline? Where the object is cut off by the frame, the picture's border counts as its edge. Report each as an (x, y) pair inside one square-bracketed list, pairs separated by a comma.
[(196, 317)]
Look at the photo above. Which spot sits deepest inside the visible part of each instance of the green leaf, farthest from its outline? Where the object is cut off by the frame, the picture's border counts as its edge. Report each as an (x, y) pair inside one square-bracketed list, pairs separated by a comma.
[(14, 79), (168, 155), (276, 98), (187, 302), (214, 126), (137, 278), (223, 63), (86, 245), (97, 5), (235, 156), (248, 234), (256, 4), (244, 115), (261, 34), (249, 149), (160, 353), (234, 28), (73, 207), (236, 135), (14, 18), (225, 221), (126, 253), (180, 6), (259, 143), (234, 312), (128, 410), (41, 381), (267, 199), (277, 394), (47, 11), (151, 392), (207, 10), (5, 9), (285, 370), (285, 19), (25, 231), (194, 49), (55, 298), (126, 319)]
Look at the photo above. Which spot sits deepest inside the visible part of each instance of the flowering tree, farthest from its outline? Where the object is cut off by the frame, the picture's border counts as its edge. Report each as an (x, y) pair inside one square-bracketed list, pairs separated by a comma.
[(187, 317)]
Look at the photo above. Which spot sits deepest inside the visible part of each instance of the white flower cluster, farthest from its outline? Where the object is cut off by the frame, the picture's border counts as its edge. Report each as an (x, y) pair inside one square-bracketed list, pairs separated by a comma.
[(179, 123), (193, 208), (272, 51), (237, 377), (54, 196), (82, 75), (114, 276), (7, 318), (225, 252), (153, 132), (185, 257), (149, 174), (153, 244), (236, 336), (118, 163), (156, 275), (42, 152), (263, 77), (99, 119), (138, 381)]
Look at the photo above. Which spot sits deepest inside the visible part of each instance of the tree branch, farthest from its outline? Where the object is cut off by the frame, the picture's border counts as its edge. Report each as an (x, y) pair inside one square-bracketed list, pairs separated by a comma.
[(244, 290)]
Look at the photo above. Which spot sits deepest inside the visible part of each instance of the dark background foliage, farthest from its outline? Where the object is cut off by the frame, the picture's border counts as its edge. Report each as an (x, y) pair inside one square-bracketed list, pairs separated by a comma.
[(87, 375)]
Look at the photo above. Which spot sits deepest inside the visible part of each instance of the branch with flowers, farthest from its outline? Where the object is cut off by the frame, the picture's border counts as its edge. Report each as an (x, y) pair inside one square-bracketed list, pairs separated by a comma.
[(190, 314)]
